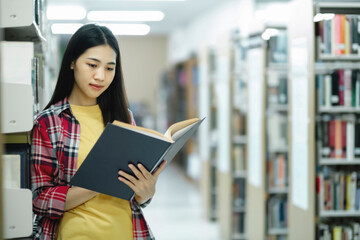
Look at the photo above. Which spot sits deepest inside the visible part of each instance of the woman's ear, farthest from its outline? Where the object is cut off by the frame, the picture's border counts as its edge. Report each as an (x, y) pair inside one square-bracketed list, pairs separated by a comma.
[(72, 65)]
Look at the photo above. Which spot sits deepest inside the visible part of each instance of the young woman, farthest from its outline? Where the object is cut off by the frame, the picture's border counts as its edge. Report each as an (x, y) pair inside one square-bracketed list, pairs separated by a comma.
[(89, 93)]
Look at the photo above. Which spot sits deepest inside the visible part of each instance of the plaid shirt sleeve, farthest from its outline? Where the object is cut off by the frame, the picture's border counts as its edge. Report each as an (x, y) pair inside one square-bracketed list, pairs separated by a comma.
[(48, 196)]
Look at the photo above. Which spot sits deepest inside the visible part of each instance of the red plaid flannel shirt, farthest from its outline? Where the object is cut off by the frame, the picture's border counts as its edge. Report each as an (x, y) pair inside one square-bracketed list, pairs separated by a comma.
[(54, 150)]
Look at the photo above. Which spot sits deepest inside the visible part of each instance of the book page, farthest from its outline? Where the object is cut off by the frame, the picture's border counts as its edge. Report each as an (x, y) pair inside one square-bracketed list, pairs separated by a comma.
[(179, 128), (142, 130), (180, 132)]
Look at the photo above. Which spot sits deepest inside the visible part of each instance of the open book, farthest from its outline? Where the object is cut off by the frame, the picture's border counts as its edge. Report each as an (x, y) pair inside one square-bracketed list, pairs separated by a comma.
[(121, 144)]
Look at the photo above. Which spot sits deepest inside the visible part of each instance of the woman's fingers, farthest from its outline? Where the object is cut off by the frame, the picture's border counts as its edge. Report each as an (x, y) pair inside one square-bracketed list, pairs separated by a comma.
[(159, 169), (136, 171), (127, 176), (144, 171), (128, 183)]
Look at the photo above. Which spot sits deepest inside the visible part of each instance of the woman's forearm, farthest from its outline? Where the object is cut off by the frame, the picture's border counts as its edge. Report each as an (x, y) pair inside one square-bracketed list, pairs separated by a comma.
[(77, 196)]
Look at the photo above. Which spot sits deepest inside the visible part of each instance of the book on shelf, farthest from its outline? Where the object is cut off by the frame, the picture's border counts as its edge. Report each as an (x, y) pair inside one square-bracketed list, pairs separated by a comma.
[(277, 172), (337, 134), (277, 212), (239, 158), (239, 123), (238, 223), (347, 231), (277, 48), (277, 131), (239, 193), (121, 144), (340, 88), (339, 35), (338, 190)]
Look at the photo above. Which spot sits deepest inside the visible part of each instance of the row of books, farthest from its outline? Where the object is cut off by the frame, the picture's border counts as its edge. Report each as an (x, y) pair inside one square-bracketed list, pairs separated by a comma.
[(339, 35), (240, 94), (239, 158), (276, 237), (239, 123), (277, 130), (277, 172), (239, 193), (277, 47), (277, 212), (340, 88), (338, 190), (346, 231), (238, 223), (277, 89), (339, 136)]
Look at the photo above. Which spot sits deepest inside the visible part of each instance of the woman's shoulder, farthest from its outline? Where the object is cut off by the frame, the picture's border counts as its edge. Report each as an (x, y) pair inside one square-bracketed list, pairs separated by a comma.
[(52, 113)]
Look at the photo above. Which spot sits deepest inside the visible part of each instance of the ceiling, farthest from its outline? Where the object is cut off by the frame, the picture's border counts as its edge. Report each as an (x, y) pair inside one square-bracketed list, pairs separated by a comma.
[(177, 13)]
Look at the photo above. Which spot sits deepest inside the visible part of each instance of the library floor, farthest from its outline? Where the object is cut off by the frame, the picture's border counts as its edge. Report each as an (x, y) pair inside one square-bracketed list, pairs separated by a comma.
[(176, 212)]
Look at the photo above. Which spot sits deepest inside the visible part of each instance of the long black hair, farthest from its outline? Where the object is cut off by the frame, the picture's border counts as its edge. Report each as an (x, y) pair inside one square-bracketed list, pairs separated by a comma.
[(113, 101)]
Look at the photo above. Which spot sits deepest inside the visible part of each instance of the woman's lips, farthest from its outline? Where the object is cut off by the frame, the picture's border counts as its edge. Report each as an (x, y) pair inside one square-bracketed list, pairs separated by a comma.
[(96, 87)]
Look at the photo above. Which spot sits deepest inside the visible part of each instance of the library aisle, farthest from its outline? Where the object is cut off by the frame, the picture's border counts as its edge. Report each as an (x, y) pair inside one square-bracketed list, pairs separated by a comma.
[(176, 212)]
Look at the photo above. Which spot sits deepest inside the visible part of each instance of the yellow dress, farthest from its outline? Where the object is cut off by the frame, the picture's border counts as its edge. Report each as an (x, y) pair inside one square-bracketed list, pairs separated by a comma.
[(102, 217)]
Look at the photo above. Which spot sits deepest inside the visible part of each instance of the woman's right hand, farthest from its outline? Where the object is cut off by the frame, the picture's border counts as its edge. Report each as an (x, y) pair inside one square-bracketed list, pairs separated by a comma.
[(77, 196)]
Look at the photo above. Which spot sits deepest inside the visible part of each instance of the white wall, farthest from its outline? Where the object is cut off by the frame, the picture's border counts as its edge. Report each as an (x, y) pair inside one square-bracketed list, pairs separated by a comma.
[(143, 60)]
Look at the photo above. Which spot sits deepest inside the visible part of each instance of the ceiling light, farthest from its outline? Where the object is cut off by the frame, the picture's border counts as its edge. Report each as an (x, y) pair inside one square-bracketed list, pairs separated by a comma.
[(125, 15), (323, 16), (128, 29), (269, 32), (65, 28), (65, 13), (328, 16)]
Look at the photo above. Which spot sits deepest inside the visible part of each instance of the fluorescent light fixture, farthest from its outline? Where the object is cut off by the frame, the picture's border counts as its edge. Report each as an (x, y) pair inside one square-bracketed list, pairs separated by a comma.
[(128, 29), (129, 16), (65, 13), (323, 16), (269, 32), (328, 16), (65, 28)]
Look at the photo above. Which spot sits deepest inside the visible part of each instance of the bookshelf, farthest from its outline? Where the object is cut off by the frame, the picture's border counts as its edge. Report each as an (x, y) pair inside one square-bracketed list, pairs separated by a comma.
[(337, 97), (1, 147), (276, 128), (208, 144), (238, 144), (213, 119), (22, 45)]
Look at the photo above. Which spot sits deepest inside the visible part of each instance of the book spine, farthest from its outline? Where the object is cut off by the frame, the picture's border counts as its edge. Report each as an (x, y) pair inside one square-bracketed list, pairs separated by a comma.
[(326, 136), (332, 138), (327, 91), (350, 128), (343, 139), (341, 87), (347, 88), (335, 89), (338, 139)]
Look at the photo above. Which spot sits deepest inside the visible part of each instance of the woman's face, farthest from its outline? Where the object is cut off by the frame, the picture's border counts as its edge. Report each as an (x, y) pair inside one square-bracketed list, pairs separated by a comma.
[(94, 71)]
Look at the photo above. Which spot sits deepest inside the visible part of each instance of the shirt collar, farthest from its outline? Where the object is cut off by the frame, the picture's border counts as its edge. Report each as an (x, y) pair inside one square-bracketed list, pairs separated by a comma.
[(62, 106)]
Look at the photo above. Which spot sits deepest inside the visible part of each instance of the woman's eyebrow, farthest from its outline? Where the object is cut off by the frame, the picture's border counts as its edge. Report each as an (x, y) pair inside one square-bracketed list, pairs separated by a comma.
[(97, 60)]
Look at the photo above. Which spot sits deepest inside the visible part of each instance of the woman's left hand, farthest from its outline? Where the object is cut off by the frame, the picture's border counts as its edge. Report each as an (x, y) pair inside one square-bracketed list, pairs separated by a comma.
[(144, 183)]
